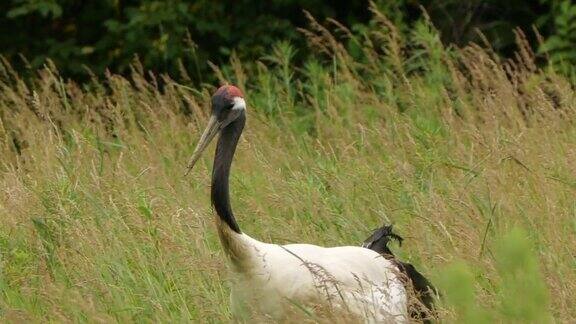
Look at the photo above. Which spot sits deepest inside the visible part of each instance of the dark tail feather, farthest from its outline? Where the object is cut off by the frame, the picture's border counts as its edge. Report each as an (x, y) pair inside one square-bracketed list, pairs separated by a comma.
[(424, 290), (379, 240)]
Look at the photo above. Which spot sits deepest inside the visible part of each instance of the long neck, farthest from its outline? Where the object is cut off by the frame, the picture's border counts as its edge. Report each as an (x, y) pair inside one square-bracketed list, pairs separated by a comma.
[(221, 171)]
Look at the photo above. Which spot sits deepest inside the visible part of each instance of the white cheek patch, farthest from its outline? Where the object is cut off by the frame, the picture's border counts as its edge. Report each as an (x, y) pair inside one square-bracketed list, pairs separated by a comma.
[(239, 104)]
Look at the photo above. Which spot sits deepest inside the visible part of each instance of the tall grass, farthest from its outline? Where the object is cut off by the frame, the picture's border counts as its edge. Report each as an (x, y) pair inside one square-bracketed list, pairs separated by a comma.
[(472, 158)]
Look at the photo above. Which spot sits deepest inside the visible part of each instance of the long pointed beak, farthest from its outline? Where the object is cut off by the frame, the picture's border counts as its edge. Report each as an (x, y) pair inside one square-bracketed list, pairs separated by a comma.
[(209, 132)]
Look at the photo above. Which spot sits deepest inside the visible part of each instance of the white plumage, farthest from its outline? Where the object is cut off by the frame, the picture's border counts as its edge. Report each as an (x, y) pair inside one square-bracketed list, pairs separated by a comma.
[(348, 278)]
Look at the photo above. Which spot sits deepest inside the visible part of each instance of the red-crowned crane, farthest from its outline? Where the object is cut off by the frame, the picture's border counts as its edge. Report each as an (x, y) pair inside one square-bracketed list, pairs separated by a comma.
[(349, 278)]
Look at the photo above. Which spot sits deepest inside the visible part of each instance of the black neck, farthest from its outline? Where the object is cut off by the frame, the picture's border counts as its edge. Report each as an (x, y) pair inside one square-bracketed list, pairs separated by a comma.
[(221, 171)]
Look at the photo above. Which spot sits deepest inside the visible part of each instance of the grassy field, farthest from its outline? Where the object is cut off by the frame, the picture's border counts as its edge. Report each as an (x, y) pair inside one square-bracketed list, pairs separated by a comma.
[(471, 157)]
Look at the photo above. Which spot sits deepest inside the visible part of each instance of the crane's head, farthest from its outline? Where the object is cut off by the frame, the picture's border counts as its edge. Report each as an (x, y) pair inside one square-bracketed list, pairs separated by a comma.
[(227, 105)]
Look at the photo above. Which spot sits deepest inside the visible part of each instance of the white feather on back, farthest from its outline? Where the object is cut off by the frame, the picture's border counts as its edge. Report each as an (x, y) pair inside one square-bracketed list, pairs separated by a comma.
[(353, 279)]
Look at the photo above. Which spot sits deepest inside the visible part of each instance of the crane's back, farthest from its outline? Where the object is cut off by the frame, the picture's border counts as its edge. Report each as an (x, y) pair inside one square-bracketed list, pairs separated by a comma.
[(349, 279)]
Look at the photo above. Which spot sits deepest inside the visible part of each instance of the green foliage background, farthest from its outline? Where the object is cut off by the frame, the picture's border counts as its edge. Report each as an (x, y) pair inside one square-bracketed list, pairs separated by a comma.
[(179, 36)]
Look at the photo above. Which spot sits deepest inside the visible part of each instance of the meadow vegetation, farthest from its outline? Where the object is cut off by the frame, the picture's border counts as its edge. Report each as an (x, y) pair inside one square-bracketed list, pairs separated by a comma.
[(469, 155)]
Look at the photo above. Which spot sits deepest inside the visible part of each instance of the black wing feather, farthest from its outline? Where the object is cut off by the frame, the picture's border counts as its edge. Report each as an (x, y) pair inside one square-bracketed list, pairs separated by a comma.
[(424, 290)]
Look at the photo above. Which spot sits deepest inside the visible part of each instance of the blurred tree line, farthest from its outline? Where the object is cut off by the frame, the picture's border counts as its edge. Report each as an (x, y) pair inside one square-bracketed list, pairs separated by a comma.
[(86, 37)]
